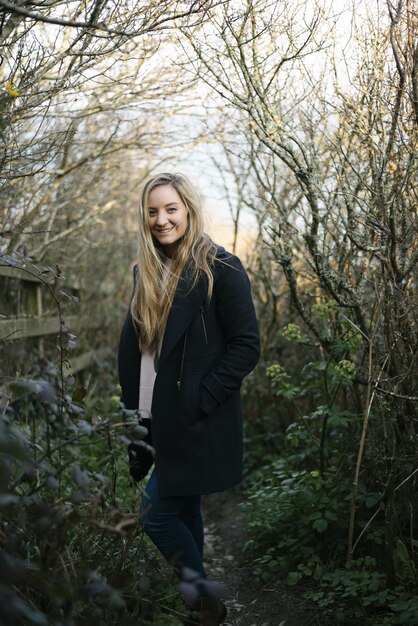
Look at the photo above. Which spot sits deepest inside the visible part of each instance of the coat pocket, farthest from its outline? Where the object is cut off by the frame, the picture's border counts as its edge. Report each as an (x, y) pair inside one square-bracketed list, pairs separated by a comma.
[(191, 398)]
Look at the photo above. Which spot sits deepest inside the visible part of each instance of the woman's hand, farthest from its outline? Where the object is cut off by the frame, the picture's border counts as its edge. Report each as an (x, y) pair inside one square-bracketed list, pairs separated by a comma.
[(141, 459)]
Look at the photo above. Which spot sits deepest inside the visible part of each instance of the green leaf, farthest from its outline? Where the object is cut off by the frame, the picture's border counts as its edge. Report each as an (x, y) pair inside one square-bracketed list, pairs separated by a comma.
[(293, 578), (320, 525)]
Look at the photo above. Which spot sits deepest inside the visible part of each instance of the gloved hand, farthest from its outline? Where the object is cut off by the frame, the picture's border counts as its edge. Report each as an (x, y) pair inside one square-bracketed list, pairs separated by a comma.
[(141, 457)]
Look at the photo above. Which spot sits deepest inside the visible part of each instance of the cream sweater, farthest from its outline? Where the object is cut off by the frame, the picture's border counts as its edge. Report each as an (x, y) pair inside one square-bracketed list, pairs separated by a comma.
[(148, 373)]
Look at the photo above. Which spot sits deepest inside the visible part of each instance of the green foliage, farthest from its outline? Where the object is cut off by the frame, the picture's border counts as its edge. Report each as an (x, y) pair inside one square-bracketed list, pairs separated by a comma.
[(72, 550), (300, 498), (296, 531), (358, 594), (298, 518)]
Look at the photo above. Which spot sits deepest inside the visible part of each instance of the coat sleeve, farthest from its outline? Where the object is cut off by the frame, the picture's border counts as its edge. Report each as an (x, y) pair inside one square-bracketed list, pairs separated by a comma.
[(236, 312)]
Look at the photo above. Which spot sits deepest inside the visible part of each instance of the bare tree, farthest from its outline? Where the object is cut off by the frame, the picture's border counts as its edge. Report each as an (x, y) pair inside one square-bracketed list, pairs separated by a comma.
[(333, 153), (80, 97)]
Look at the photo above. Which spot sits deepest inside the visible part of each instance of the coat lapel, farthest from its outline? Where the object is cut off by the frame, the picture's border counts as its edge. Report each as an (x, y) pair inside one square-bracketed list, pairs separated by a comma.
[(186, 304)]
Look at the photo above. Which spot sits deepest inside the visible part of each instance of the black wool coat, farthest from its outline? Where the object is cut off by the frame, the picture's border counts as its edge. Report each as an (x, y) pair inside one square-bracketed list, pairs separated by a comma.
[(207, 350)]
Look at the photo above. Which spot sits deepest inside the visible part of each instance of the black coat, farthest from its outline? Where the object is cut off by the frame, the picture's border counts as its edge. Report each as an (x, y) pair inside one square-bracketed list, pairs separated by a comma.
[(206, 351)]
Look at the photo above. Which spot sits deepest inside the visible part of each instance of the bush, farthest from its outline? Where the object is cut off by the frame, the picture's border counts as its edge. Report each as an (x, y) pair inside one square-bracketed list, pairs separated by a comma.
[(300, 498), (72, 551), (296, 525)]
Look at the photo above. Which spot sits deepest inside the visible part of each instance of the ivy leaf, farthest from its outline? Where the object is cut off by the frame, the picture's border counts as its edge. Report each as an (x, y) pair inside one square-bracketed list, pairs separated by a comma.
[(293, 578), (320, 525)]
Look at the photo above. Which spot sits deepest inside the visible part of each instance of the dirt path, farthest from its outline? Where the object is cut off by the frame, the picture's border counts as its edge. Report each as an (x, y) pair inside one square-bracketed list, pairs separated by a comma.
[(274, 605)]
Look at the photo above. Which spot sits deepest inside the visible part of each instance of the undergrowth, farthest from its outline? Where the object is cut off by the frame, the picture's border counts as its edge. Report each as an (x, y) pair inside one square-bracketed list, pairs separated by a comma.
[(300, 499), (72, 551)]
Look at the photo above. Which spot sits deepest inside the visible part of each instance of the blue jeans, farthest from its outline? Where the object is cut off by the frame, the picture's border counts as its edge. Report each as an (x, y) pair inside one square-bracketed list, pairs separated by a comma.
[(175, 526)]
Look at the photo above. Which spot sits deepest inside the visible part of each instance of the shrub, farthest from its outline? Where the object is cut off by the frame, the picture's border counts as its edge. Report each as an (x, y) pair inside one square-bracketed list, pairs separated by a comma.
[(72, 551)]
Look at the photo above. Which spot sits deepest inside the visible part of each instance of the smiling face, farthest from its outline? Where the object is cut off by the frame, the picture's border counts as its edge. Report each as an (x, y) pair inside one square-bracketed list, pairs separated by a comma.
[(167, 216)]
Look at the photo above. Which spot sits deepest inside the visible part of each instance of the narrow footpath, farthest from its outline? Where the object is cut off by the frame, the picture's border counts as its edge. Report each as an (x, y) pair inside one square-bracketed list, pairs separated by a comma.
[(274, 605)]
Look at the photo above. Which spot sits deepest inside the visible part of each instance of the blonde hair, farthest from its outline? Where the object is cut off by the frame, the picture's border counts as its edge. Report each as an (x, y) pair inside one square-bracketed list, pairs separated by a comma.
[(154, 296)]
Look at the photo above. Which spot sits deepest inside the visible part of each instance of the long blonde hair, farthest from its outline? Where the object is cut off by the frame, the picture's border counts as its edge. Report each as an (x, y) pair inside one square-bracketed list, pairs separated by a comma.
[(154, 296)]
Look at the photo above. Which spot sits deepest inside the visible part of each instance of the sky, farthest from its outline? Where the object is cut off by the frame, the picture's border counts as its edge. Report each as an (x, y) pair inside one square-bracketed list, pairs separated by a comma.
[(197, 160)]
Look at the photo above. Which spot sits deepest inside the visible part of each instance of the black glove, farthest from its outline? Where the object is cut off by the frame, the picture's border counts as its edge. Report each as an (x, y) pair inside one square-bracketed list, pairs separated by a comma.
[(141, 457)]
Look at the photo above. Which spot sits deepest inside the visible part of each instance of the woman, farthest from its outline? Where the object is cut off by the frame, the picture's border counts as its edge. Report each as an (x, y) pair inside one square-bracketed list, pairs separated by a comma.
[(188, 340)]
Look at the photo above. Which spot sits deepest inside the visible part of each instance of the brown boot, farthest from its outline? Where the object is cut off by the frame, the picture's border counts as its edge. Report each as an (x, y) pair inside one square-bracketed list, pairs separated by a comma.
[(211, 612)]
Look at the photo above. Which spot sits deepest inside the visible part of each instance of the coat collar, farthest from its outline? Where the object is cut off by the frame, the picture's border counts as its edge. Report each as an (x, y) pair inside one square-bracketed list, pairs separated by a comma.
[(186, 303)]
